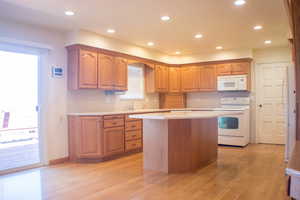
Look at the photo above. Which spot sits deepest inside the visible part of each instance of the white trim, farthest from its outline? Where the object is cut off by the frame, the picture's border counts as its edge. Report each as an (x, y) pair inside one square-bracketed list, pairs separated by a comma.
[(42, 137), (18, 169), (41, 114), (25, 43), (291, 136)]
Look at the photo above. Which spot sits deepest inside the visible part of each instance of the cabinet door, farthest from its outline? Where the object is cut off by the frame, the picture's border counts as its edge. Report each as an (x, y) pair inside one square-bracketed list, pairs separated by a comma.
[(174, 79), (165, 79), (223, 69), (88, 69), (114, 140), (240, 68), (105, 72), (172, 100), (120, 74), (187, 79), (161, 78), (195, 78), (90, 138), (207, 78)]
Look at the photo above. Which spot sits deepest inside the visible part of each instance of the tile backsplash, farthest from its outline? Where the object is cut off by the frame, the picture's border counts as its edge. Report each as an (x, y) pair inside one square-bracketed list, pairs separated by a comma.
[(210, 99), (97, 101)]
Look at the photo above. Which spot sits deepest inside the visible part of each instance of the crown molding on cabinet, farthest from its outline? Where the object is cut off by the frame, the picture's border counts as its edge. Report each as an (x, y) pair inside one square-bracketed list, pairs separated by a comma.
[(150, 62)]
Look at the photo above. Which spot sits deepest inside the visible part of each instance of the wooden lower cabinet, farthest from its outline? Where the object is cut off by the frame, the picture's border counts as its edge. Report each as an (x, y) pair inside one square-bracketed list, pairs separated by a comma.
[(133, 145), (133, 134), (103, 137), (113, 141), (85, 137)]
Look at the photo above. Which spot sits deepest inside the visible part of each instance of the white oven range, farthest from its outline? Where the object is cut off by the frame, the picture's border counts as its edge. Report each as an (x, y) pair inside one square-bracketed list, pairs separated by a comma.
[(234, 129)]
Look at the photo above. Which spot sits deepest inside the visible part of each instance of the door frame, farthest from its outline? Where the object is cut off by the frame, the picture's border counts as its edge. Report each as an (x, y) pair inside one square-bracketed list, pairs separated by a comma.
[(291, 131), (14, 48)]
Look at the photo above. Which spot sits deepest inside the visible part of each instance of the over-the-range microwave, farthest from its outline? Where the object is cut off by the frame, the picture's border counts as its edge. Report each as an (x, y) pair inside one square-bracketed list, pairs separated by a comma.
[(232, 83)]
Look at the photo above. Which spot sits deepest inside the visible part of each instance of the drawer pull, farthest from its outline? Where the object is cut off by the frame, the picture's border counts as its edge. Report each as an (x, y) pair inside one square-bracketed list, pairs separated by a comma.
[(114, 123), (133, 126)]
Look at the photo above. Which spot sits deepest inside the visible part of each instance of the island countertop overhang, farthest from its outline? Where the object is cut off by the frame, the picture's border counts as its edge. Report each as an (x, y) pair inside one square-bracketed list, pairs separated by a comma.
[(185, 115)]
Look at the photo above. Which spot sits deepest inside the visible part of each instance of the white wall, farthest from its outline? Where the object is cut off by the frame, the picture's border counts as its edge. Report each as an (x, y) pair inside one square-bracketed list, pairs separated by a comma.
[(213, 56), (97, 101), (96, 40)]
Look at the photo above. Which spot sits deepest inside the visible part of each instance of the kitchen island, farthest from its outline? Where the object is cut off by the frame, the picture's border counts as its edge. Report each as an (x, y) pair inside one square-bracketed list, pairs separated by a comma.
[(180, 141)]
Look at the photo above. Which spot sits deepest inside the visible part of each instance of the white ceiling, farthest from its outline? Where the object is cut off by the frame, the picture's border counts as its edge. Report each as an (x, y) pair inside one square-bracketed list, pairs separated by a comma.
[(138, 21)]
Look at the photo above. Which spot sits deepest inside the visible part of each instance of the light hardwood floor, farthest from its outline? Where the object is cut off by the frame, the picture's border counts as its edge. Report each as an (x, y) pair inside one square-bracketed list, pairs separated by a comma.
[(252, 173)]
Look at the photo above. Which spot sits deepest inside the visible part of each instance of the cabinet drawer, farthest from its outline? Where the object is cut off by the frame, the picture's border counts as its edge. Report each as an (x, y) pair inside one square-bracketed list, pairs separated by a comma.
[(113, 141), (133, 135), (133, 144), (113, 123), (133, 125), (114, 117)]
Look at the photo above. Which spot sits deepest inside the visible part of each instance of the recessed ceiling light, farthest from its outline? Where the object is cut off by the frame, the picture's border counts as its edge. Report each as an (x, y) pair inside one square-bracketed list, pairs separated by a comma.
[(165, 18), (198, 36), (239, 2), (268, 42), (219, 47), (69, 13), (111, 31), (150, 43), (258, 27), (177, 52)]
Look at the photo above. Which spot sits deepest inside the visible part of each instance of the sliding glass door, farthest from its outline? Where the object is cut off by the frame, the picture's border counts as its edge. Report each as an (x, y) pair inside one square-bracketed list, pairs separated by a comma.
[(19, 133)]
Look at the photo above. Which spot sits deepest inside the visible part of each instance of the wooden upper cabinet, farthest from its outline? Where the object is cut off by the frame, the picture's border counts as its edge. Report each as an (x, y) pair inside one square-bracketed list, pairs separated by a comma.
[(88, 69), (90, 137), (114, 140), (161, 78), (174, 79), (105, 72), (186, 81), (207, 78), (189, 79), (234, 68), (120, 74), (156, 79), (224, 69), (172, 100), (240, 68)]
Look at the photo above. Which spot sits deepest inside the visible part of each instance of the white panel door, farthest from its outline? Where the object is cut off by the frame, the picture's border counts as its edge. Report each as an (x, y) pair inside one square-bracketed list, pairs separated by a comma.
[(272, 103)]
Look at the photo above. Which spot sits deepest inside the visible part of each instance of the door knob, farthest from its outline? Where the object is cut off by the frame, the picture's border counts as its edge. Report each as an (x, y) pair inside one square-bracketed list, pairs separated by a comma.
[(260, 105)]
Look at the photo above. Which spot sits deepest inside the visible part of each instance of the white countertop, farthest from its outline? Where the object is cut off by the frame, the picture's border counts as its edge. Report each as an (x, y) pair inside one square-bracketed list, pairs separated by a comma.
[(134, 111), (184, 115)]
